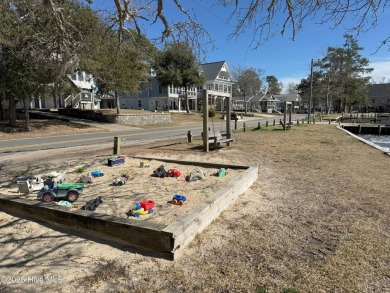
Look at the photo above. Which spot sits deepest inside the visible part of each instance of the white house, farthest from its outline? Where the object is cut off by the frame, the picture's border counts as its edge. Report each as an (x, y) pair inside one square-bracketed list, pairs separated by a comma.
[(155, 96), (86, 97), (218, 82)]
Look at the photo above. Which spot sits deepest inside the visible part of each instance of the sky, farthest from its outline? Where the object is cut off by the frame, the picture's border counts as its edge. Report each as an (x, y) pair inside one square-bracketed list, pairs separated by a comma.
[(287, 60)]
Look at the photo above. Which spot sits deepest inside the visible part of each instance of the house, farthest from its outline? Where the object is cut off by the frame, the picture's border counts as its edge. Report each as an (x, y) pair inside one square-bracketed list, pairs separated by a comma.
[(293, 98), (218, 82), (264, 103), (379, 96), (251, 102), (154, 96), (86, 97)]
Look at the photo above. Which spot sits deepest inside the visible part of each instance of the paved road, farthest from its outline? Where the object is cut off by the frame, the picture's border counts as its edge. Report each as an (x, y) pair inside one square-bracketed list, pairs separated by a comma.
[(130, 134)]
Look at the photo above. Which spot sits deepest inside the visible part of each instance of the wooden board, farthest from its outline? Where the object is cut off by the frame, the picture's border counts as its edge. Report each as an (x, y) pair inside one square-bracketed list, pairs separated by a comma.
[(185, 228), (163, 241), (138, 234)]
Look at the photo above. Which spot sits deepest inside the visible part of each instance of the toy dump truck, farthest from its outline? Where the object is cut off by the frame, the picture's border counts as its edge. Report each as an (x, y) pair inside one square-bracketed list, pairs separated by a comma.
[(36, 182), (68, 191), (143, 208)]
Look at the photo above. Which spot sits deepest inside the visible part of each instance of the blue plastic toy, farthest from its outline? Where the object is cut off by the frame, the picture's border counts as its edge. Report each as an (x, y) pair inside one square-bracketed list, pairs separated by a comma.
[(178, 199), (97, 173)]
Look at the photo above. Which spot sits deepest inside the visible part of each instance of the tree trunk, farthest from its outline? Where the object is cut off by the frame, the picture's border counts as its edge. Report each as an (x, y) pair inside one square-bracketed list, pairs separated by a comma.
[(26, 114), (54, 95), (187, 102), (117, 102), (12, 112), (2, 114), (245, 105)]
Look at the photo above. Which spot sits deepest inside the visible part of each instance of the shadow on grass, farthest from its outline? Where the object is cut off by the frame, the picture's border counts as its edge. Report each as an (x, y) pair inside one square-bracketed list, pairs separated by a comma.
[(39, 125)]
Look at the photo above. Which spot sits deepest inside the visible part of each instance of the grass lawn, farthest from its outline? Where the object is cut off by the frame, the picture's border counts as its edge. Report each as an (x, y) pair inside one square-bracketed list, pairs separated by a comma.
[(316, 220)]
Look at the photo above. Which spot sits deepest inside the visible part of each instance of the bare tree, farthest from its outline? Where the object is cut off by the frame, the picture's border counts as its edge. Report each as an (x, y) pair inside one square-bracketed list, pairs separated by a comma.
[(262, 19), (292, 88), (248, 80), (379, 80)]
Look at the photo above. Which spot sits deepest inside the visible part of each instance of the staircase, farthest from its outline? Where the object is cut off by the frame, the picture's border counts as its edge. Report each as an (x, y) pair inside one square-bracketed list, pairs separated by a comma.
[(73, 101)]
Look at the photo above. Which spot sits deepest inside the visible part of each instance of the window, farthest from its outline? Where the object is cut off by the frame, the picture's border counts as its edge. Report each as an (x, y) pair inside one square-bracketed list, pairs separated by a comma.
[(139, 103), (159, 89)]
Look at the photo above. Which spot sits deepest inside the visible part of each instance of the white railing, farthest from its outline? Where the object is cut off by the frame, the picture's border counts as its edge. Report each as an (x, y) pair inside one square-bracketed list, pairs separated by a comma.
[(68, 100)]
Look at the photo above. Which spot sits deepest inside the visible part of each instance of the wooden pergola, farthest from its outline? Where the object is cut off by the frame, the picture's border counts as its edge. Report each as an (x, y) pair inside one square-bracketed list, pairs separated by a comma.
[(228, 103)]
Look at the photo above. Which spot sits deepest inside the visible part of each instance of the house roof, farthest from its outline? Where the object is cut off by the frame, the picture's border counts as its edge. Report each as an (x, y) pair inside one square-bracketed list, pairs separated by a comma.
[(214, 70), (287, 97), (266, 98), (261, 97), (379, 90)]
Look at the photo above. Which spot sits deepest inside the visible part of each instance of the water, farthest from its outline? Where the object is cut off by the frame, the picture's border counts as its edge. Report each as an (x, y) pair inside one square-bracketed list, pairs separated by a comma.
[(380, 140)]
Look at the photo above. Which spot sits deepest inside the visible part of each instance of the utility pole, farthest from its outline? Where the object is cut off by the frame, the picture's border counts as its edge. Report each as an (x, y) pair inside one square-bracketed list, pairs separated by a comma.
[(311, 91)]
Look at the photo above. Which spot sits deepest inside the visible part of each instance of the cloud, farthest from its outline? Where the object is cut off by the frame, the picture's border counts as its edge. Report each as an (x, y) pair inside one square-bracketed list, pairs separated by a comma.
[(381, 69)]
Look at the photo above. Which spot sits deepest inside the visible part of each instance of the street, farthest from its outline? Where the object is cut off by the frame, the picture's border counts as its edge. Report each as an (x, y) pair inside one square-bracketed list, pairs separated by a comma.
[(63, 141)]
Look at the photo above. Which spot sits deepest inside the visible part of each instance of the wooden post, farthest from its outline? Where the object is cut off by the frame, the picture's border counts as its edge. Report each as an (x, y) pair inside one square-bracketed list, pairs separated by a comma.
[(235, 124), (205, 121), (117, 145), (258, 125), (228, 102), (379, 129), (243, 125), (329, 121), (297, 122), (274, 122), (189, 136), (359, 129), (266, 123), (290, 113)]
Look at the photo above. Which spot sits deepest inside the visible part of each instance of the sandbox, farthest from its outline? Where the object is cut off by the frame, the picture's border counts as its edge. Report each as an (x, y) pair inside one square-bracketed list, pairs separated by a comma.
[(168, 229)]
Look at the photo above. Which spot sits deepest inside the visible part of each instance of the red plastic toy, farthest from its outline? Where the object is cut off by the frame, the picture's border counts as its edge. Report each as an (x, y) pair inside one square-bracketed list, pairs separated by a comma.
[(173, 173)]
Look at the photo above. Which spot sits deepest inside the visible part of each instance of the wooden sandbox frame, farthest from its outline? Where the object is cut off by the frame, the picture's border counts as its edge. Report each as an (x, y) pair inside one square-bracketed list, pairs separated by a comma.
[(166, 241)]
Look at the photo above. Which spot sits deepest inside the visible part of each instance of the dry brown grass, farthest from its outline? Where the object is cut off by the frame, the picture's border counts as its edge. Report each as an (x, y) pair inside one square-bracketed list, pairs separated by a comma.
[(317, 219), (44, 127)]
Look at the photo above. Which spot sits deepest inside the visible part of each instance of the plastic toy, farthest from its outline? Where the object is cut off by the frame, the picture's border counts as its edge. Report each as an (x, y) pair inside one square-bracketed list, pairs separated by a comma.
[(178, 199), (144, 164), (120, 181), (143, 208), (70, 191), (115, 161), (97, 173), (160, 172), (126, 175), (221, 172), (86, 179), (92, 204), (173, 173)]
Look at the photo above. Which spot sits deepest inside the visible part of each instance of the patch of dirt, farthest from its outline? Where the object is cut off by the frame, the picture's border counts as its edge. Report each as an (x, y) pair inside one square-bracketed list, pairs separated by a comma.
[(317, 219), (44, 127)]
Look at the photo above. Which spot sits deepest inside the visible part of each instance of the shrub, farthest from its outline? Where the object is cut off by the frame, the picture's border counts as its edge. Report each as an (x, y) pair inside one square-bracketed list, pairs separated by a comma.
[(211, 112)]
